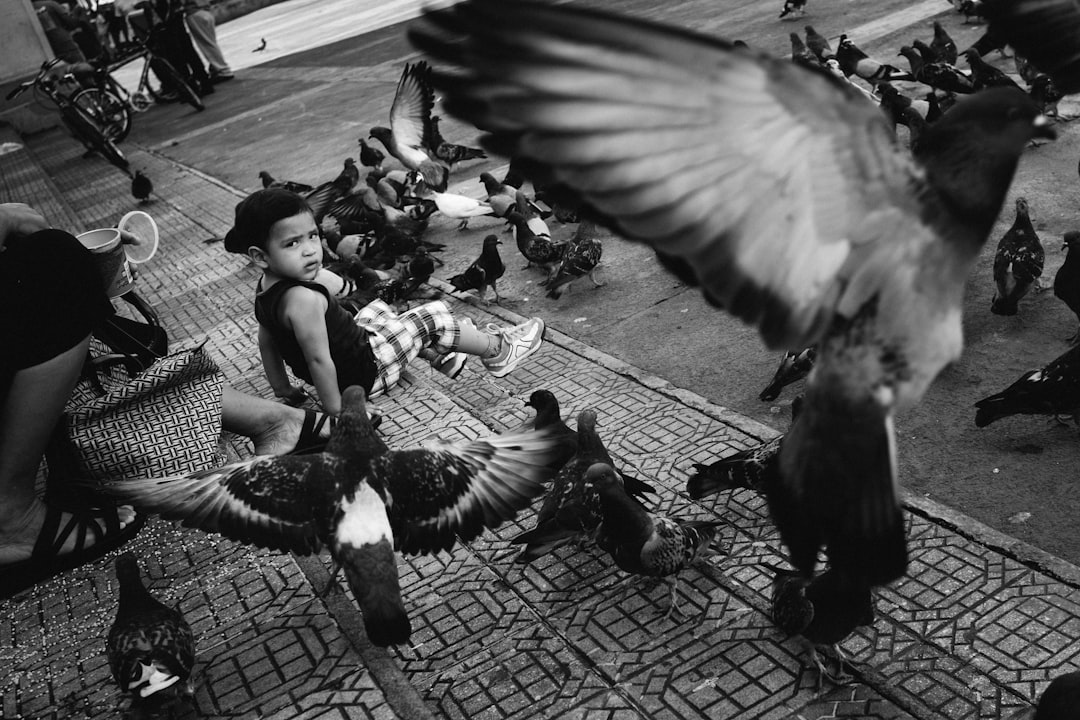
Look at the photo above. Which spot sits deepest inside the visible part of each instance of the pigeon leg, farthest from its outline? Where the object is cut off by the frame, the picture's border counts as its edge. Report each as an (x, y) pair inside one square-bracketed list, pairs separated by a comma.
[(463, 225), (495, 289), (331, 584), (673, 606), (819, 665), (841, 677), (595, 282)]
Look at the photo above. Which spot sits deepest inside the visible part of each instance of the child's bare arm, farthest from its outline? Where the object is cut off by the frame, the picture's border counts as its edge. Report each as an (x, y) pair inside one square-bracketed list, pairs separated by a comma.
[(305, 312), (274, 367)]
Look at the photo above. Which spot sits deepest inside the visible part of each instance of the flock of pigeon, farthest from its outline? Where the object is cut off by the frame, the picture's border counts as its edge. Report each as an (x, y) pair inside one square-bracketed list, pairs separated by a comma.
[(373, 225), (882, 237)]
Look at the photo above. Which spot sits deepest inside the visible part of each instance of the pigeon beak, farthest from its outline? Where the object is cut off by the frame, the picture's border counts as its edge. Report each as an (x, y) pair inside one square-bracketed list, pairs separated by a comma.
[(1043, 128)]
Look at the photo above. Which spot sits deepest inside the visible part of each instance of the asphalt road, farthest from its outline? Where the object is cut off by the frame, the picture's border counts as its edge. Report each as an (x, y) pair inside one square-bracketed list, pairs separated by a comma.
[(328, 74)]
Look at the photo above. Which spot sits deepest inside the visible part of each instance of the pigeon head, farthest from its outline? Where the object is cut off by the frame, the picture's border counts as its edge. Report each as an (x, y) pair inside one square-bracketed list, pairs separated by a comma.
[(354, 433), (1021, 206), (545, 398), (127, 570), (380, 133), (602, 477), (1072, 240), (586, 420)]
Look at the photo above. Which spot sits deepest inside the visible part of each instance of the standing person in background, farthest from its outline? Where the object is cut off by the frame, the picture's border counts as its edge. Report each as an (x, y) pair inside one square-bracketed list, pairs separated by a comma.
[(58, 22), (175, 44), (203, 29)]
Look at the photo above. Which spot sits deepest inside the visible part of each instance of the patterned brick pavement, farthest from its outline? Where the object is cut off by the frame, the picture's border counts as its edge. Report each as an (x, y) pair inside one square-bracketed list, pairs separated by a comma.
[(973, 632)]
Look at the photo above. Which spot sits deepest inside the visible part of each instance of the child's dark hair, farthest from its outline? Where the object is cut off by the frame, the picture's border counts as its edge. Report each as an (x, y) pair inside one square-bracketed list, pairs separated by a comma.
[(257, 213)]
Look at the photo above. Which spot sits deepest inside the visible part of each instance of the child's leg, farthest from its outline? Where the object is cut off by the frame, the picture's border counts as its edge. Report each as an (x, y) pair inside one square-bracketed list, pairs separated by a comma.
[(501, 349)]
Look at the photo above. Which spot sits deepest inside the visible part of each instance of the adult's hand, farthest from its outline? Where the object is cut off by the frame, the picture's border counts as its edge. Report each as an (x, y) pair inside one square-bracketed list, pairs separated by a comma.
[(19, 219)]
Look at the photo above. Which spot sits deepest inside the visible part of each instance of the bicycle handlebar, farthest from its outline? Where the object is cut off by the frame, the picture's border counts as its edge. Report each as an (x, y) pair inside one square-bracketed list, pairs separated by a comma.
[(19, 90), (45, 68)]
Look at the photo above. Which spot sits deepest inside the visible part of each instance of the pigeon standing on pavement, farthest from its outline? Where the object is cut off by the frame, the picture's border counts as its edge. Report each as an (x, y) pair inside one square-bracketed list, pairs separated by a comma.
[(938, 75), (150, 647), (984, 75), (581, 258), (854, 61), (484, 272), (818, 44), (821, 611), (644, 543), (571, 508), (1067, 279), (453, 205), (868, 260), (549, 416), (371, 157), (141, 187), (537, 248), (943, 46), (753, 469), (1051, 390), (791, 6), (1018, 262), (757, 468), (269, 181), (362, 500), (448, 152), (800, 54)]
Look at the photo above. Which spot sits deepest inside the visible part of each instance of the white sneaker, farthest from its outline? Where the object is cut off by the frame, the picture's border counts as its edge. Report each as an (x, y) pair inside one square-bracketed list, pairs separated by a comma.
[(518, 343)]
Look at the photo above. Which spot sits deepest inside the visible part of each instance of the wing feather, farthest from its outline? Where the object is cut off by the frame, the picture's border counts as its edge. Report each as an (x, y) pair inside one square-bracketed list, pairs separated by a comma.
[(449, 490), (410, 112), (265, 501), (766, 177)]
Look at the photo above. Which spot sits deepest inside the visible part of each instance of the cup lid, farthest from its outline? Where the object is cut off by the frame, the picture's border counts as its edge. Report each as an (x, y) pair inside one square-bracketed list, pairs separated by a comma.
[(142, 226)]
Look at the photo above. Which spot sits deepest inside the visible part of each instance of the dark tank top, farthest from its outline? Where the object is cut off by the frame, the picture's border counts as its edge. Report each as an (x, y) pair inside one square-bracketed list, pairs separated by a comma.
[(349, 346)]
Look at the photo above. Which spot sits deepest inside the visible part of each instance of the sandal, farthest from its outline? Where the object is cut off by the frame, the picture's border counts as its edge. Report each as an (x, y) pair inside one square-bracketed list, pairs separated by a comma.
[(45, 562), (310, 440)]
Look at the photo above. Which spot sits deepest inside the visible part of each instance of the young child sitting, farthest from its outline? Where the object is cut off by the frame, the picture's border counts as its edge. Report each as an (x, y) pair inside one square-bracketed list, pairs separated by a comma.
[(303, 326)]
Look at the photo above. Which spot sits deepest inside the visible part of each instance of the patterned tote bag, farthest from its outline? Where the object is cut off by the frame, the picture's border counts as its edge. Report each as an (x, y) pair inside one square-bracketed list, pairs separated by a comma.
[(164, 421)]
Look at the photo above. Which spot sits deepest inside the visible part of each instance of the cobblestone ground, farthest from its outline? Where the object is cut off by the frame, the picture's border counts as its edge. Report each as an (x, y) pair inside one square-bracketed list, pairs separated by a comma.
[(975, 631)]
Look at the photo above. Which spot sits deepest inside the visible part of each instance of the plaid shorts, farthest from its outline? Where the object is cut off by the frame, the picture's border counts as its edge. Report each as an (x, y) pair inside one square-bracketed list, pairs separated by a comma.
[(397, 339)]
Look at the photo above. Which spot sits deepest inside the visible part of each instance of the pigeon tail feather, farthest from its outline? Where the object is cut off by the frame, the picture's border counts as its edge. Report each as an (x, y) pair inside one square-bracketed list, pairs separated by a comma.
[(717, 477), (838, 489), (371, 570)]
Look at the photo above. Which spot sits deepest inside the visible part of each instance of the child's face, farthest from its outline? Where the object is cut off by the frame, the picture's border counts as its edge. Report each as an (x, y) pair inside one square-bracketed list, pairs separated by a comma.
[(294, 249)]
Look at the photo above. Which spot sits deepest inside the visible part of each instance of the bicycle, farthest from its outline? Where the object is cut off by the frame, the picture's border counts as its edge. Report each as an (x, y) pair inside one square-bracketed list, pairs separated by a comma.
[(165, 84), (111, 112), (78, 120)]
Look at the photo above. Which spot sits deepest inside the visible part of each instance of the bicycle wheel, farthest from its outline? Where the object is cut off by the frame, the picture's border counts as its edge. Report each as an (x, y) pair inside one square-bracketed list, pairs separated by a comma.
[(109, 112), (177, 85), (84, 129)]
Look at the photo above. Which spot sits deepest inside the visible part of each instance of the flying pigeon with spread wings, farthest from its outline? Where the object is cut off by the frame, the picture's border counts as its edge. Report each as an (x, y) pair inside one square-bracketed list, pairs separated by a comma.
[(409, 134), (360, 499), (868, 259)]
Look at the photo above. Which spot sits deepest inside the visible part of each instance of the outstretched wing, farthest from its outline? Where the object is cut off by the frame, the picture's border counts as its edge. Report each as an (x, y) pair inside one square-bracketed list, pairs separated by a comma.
[(266, 501), (410, 114), (449, 490), (777, 184)]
